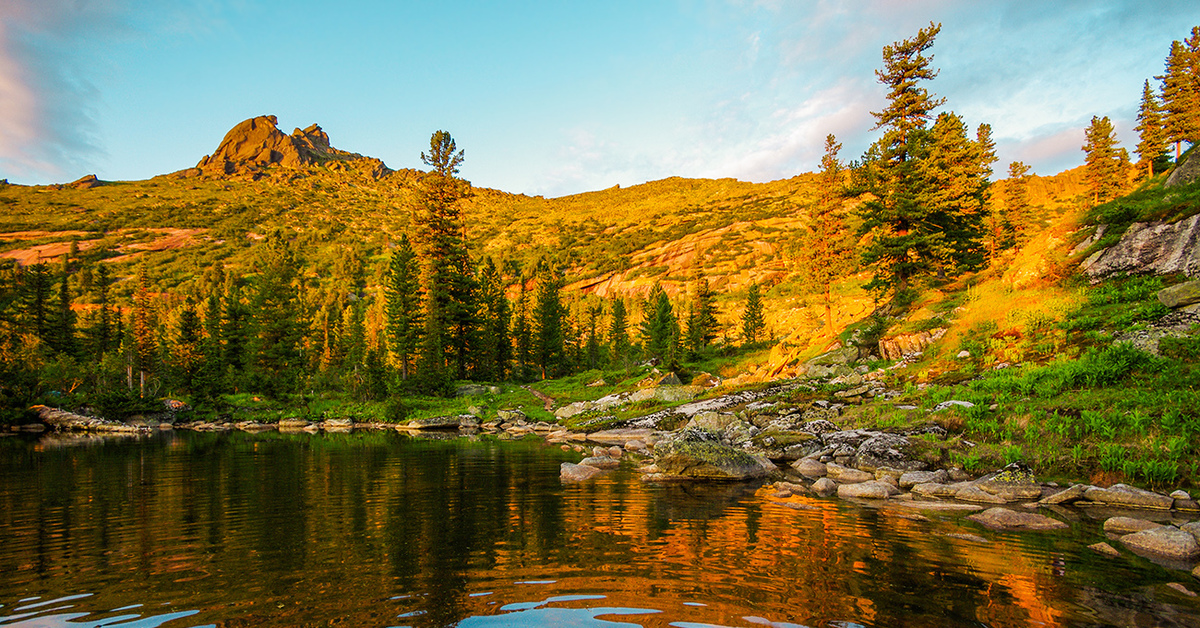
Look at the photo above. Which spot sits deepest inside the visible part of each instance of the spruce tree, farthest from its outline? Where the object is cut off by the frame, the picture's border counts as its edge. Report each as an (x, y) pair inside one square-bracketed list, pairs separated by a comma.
[(752, 317), (495, 347), (36, 286), (618, 335), (522, 334), (186, 355), (547, 323), (142, 349), (825, 250), (63, 336), (660, 328), (702, 325), (593, 350), (1152, 136), (102, 334), (403, 289), (1104, 168), (953, 172), (276, 318)]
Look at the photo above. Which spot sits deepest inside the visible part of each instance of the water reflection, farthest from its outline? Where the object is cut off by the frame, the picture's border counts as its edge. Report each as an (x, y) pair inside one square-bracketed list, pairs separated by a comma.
[(378, 529)]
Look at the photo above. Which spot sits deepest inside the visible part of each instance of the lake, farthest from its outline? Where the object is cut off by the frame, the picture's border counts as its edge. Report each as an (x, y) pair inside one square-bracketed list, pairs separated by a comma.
[(184, 529)]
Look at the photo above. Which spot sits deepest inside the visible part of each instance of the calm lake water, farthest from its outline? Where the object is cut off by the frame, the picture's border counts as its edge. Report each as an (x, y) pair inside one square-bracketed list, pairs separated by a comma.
[(377, 529)]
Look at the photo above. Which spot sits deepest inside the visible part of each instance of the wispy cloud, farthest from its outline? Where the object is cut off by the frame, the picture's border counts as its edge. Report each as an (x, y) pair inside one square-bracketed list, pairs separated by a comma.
[(46, 98)]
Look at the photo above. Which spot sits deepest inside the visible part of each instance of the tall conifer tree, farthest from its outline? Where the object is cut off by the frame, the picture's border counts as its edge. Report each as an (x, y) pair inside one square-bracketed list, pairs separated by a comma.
[(1181, 91), (752, 317), (1104, 166), (404, 312), (825, 250)]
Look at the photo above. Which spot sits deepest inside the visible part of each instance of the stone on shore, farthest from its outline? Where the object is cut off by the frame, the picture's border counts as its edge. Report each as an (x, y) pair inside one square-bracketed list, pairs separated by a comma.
[(977, 495), (1164, 541), (1005, 519), (809, 468), (570, 472), (1128, 525), (824, 487), (913, 478), (865, 490), (1068, 496), (1129, 497), (847, 475), (933, 489), (700, 455), (601, 462)]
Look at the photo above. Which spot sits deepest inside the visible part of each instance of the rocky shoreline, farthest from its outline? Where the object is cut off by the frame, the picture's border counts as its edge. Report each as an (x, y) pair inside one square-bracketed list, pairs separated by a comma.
[(801, 450)]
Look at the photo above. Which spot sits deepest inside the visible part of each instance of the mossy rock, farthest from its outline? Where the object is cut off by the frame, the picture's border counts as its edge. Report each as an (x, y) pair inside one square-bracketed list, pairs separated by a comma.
[(699, 455)]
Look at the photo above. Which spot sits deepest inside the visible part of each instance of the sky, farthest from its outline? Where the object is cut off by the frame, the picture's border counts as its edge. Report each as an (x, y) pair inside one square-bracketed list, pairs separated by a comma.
[(557, 97)]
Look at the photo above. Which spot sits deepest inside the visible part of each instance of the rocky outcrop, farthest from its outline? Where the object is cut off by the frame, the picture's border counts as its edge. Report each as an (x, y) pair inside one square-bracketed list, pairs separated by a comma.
[(256, 144), (898, 347), (1186, 172), (85, 183), (1180, 295), (1151, 248)]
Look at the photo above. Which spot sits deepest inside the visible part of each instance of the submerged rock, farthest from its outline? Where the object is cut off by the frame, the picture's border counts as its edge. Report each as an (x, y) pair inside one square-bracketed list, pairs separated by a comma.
[(1105, 549), (1010, 520)]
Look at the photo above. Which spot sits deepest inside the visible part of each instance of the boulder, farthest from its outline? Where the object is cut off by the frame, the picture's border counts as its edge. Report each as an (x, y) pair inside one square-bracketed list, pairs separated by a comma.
[(85, 182), (511, 416), (1129, 497), (699, 455), (953, 403), (1012, 483), (293, 424), (1184, 173), (1180, 295), (913, 478), (621, 436), (847, 475), (933, 489), (1192, 528), (886, 450), (1128, 525), (670, 379), (899, 347), (844, 355), (474, 390), (600, 462), (1011, 520), (706, 380), (976, 495), (809, 468), (570, 472), (1069, 496), (434, 423), (1164, 541), (866, 490), (824, 487)]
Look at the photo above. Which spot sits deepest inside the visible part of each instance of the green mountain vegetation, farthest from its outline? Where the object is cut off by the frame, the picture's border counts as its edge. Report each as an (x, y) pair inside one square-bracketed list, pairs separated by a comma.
[(283, 277)]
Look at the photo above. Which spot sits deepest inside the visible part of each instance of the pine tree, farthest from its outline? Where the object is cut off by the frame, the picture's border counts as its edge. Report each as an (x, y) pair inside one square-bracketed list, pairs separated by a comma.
[(1181, 91), (1018, 211), (593, 351), (404, 296), (547, 323), (825, 251), (752, 317), (36, 285), (702, 322), (953, 172), (234, 334), (447, 279), (1103, 161), (1152, 136), (186, 355), (660, 328), (102, 335), (905, 241)]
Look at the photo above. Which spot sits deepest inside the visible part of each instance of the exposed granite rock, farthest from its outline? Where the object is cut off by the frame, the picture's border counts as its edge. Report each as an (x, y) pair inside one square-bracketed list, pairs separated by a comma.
[(1069, 496), (1005, 519), (809, 468), (824, 487), (847, 475), (933, 489), (1180, 295), (1151, 248), (600, 462), (913, 478), (1184, 173), (977, 495), (700, 455)]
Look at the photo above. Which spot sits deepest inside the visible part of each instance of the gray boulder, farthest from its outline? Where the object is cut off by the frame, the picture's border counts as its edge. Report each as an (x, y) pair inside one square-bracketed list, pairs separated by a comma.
[(570, 472), (1151, 248), (601, 462), (809, 468), (913, 478), (1071, 495), (1180, 295), (886, 450), (866, 490), (824, 487), (847, 475)]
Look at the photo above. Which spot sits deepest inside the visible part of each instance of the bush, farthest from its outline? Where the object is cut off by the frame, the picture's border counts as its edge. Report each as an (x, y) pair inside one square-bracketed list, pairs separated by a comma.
[(120, 403)]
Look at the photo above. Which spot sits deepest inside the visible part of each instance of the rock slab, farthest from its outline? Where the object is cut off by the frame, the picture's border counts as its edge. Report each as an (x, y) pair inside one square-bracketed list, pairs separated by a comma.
[(1165, 541), (1005, 519)]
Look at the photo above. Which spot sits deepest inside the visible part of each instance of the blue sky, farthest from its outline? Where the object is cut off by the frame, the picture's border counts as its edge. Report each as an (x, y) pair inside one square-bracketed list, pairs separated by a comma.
[(558, 97)]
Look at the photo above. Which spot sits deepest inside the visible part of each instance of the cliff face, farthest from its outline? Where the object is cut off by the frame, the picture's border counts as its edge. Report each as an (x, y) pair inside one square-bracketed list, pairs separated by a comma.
[(257, 143)]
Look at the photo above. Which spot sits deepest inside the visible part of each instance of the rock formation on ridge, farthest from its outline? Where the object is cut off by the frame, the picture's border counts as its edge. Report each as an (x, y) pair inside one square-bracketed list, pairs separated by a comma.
[(257, 143)]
